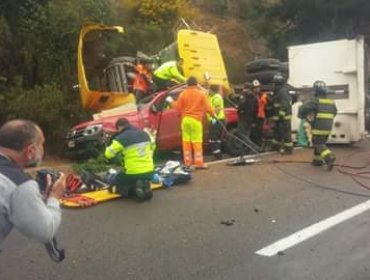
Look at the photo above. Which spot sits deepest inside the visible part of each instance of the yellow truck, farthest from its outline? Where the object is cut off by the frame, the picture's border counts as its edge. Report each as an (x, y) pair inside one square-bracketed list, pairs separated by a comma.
[(200, 51)]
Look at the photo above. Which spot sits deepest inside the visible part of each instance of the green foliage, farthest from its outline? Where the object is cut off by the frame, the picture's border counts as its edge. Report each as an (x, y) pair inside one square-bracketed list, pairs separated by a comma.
[(289, 22), (95, 165), (48, 106), (160, 12)]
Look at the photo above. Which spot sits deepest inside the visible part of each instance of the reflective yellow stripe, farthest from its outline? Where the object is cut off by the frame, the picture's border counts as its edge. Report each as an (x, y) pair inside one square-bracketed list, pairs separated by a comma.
[(290, 144), (289, 117), (277, 105), (282, 113), (275, 118), (321, 132), (326, 101), (325, 153), (325, 116)]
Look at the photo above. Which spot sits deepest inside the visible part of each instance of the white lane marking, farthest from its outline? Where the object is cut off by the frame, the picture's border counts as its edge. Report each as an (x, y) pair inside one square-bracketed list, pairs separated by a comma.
[(313, 230)]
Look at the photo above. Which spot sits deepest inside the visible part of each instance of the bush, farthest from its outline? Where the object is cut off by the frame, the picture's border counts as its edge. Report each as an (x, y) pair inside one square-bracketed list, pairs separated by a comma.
[(95, 165), (54, 110)]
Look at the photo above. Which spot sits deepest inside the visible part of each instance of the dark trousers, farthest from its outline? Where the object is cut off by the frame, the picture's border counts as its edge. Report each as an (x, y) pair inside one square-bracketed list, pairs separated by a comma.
[(257, 131), (244, 129), (139, 94), (321, 151), (214, 137), (283, 135), (126, 183)]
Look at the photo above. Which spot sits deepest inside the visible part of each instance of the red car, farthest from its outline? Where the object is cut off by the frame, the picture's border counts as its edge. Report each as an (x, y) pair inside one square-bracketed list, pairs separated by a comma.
[(89, 138)]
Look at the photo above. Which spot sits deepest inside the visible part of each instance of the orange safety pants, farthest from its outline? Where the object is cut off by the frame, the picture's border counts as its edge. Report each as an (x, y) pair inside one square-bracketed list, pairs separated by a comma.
[(192, 141)]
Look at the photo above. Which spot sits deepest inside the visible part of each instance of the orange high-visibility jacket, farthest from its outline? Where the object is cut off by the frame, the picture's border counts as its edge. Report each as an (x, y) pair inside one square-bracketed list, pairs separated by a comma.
[(193, 103), (142, 78), (262, 102)]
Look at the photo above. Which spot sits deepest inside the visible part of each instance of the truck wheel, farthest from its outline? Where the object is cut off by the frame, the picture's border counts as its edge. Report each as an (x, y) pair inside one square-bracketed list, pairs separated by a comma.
[(232, 145), (262, 64), (264, 77)]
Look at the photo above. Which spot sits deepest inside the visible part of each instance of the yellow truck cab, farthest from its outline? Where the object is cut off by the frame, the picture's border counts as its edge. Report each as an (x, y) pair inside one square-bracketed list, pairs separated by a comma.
[(200, 51)]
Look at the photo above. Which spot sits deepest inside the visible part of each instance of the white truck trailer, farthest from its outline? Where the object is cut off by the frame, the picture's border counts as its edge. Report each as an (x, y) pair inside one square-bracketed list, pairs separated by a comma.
[(343, 65)]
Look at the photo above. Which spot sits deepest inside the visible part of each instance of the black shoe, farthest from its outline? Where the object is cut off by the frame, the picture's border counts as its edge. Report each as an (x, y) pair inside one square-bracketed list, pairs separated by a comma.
[(218, 156), (143, 191), (316, 162), (330, 161)]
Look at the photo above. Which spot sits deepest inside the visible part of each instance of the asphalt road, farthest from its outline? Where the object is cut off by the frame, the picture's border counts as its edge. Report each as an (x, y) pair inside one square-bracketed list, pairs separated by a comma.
[(181, 233)]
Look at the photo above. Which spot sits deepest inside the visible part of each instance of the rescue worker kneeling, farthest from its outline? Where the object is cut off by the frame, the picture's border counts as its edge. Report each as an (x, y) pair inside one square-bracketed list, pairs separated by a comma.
[(324, 111), (136, 147)]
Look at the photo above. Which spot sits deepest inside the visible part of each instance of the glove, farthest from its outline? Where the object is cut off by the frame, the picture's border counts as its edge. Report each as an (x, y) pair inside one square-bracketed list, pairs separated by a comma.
[(169, 99), (213, 121)]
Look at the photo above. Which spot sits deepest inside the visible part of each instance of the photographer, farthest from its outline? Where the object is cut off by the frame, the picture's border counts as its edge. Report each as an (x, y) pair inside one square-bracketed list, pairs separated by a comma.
[(21, 203)]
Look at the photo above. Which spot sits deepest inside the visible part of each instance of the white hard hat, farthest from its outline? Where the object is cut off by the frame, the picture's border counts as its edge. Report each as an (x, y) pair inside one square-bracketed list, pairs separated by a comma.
[(256, 83)]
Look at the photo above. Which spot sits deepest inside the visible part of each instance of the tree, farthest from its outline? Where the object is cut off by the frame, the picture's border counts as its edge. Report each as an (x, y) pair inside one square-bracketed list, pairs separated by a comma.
[(288, 22), (158, 11)]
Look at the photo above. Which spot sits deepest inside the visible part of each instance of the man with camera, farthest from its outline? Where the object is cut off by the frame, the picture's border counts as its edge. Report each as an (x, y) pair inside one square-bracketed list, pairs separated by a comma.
[(21, 203)]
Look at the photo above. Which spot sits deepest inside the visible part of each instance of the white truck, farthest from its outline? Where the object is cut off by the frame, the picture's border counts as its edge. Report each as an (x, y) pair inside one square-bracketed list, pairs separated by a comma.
[(343, 65)]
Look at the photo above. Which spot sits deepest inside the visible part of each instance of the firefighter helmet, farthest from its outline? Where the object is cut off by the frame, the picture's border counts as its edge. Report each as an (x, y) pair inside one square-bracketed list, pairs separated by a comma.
[(320, 87), (278, 79), (256, 83)]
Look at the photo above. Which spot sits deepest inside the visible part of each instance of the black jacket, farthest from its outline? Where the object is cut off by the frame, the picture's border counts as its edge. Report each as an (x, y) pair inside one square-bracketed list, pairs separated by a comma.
[(248, 107), (281, 102)]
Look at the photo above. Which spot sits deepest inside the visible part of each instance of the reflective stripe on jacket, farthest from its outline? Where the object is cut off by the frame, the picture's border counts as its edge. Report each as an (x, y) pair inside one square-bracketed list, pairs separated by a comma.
[(325, 112), (217, 102), (281, 102), (168, 71), (137, 149)]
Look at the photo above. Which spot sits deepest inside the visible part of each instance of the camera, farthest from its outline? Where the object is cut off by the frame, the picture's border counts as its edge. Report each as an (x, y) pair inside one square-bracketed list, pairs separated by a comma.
[(42, 181)]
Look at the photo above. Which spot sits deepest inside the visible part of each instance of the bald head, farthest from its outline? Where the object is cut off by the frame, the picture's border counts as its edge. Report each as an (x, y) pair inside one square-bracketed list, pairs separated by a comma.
[(17, 134)]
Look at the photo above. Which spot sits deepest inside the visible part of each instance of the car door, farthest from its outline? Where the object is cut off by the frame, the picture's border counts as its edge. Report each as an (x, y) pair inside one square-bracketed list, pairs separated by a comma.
[(166, 121)]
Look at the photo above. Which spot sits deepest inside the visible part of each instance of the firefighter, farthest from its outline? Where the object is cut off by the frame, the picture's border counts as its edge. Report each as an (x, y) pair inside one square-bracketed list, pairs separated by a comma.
[(216, 124), (169, 73), (324, 110), (247, 113), (281, 116), (142, 82), (136, 147), (193, 104), (262, 99)]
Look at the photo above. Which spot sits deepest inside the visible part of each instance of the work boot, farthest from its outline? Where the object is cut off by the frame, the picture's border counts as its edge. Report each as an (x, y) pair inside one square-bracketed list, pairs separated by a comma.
[(218, 156), (275, 148), (143, 191), (201, 166), (330, 161), (316, 162), (148, 193)]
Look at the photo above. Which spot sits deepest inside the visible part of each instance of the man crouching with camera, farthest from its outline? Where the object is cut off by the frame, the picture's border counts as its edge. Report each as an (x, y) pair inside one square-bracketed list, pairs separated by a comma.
[(21, 204)]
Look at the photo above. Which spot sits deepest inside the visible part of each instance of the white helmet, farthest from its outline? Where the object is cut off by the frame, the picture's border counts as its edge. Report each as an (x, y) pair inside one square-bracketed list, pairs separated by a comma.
[(256, 83)]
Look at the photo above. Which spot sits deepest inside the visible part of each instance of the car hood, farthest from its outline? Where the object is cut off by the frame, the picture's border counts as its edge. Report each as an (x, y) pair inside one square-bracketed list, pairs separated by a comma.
[(109, 123)]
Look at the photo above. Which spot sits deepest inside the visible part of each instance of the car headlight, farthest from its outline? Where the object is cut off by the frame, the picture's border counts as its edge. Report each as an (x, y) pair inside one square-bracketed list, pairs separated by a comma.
[(71, 134), (92, 129)]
